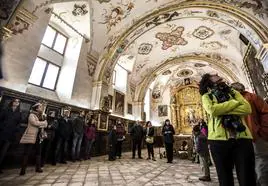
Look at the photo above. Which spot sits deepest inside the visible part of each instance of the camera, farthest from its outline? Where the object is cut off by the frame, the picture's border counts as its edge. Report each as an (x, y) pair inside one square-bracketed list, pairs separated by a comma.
[(233, 122), (223, 93)]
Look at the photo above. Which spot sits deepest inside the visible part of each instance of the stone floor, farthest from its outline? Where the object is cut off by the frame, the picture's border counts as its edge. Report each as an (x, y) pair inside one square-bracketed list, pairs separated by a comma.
[(124, 171)]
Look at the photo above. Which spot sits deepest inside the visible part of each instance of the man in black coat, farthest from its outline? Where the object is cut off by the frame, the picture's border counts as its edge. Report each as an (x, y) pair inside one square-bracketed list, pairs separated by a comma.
[(63, 134), (137, 134), (10, 119)]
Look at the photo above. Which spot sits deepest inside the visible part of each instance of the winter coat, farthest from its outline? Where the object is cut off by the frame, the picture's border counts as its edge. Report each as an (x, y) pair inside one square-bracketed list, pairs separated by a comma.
[(31, 132), (9, 124), (120, 132), (78, 125), (168, 132), (136, 132), (235, 106), (257, 121), (51, 127), (151, 131), (201, 144), (112, 138), (90, 132), (65, 128)]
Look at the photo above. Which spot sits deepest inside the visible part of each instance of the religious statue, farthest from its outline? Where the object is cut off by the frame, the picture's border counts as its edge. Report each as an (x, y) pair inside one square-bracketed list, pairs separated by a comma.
[(191, 116)]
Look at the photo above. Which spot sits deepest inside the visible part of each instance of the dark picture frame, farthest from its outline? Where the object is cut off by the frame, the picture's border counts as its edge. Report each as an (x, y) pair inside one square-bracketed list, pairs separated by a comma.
[(119, 103), (103, 121), (129, 108), (162, 110), (57, 110)]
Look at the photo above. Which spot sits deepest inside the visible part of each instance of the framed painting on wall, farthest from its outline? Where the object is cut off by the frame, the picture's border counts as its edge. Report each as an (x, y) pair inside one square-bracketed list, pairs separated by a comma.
[(110, 97), (119, 103), (103, 122), (162, 110), (129, 108)]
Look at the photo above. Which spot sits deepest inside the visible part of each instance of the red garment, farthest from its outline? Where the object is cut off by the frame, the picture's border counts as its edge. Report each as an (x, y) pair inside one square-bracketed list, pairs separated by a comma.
[(90, 132), (257, 121)]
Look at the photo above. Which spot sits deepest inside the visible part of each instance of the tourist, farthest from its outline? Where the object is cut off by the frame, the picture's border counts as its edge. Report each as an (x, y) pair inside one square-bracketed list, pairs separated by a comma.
[(258, 124), (48, 142), (137, 134), (201, 146), (112, 139), (229, 137), (168, 132), (90, 137), (149, 138), (9, 125), (120, 135), (78, 133), (31, 138)]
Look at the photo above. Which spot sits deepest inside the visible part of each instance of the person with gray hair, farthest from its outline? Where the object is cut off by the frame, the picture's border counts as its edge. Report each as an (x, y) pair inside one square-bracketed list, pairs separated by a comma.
[(257, 122)]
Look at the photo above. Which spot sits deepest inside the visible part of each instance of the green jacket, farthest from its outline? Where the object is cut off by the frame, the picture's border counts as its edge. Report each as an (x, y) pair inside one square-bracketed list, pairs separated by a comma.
[(236, 106)]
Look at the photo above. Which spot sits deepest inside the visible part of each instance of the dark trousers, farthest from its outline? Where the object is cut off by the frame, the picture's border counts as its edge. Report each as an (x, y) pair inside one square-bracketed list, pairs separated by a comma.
[(238, 153), (88, 145), (4, 145), (27, 151), (112, 152), (61, 149), (150, 148), (46, 149), (119, 148), (169, 151), (136, 143)]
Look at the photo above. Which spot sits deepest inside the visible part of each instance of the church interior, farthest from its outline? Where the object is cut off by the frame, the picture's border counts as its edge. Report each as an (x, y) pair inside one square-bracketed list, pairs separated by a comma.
[(127, 61)]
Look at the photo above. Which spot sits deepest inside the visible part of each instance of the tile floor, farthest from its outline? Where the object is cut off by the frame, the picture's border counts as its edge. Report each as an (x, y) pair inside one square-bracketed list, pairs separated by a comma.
[(124, 171)]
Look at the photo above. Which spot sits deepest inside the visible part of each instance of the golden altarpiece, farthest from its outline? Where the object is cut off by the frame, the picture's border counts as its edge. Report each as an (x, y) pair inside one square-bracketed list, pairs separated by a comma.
[(186, 108)]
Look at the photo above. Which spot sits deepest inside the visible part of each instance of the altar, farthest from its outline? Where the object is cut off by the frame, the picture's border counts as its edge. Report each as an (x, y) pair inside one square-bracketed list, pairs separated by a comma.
[(186, 108)]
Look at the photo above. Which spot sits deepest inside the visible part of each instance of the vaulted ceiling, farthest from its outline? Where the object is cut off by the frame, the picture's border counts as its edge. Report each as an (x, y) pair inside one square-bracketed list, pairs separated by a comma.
[(153, 36)]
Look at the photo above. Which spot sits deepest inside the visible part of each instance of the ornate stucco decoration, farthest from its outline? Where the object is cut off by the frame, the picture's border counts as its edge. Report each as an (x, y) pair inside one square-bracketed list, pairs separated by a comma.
[(80, 10), (21, 20), (91, 64)]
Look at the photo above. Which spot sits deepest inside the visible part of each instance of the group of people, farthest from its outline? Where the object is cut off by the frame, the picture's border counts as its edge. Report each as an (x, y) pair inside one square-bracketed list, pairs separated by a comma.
[(46, 135), (139, 134), (237, 132)]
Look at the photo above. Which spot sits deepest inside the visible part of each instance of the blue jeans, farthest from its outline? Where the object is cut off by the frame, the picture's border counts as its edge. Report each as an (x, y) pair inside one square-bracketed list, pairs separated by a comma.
[(77, 140), (88, 148), (261, 161)]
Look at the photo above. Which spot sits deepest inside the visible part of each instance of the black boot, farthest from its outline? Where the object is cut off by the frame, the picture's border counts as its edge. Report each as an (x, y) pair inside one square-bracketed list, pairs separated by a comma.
[(24, 165), (38, 164)]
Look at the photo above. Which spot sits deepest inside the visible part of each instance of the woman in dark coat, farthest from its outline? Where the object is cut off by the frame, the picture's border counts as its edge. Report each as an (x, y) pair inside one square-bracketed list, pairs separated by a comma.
[(149, 131), (112, 139), (168, 132), (9, 124)]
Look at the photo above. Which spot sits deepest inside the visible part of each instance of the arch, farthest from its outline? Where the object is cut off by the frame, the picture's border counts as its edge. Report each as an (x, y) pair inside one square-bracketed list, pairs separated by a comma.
[(258, 34), (143, 86)]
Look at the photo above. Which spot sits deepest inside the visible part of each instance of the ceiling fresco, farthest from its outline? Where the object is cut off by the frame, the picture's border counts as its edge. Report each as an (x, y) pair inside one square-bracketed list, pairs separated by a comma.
[(115, 16)]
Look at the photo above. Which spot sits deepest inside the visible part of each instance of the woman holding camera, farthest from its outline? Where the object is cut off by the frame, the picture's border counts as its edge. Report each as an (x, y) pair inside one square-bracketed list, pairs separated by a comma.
[(230, 139)]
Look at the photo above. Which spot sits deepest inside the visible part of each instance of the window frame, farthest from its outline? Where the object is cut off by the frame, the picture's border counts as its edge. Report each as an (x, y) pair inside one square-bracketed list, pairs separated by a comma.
[(54, 41), (44, 75)]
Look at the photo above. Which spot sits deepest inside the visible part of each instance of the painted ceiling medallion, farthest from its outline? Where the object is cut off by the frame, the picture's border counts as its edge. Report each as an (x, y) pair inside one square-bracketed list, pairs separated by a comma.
[(212, 45), (198, 65), (116, 14), (145, 48), (79, 10), (203, 32), (104, 1), (167, 72), (172, 38), (185, 73)]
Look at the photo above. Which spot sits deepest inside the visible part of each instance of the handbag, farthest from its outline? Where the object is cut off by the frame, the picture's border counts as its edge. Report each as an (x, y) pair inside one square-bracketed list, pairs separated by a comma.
[(149, 139), (42, 135)]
